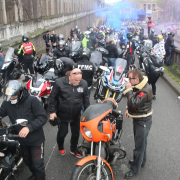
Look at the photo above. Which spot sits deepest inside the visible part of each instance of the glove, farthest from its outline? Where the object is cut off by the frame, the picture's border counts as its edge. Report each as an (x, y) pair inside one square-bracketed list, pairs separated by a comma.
[(57, 121)]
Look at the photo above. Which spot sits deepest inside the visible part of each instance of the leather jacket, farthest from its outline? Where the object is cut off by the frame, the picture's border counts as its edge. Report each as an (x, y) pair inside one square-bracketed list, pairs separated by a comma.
[(139, 99)]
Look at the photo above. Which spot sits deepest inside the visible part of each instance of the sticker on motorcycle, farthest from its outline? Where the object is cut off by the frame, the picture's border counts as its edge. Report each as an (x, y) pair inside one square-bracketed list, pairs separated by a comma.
[(8, 91), (119, 69)]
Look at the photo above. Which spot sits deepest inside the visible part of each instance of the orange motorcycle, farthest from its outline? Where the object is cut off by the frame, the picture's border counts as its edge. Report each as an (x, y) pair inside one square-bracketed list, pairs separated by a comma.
[(101, 128)]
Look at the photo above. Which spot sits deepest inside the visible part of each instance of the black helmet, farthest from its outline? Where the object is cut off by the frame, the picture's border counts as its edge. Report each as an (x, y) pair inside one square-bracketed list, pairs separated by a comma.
[(0, 47), (149, 17), (129, 35), (25, 38), (58, 66), (102, 43), (85, 53), (172, 33), (61, 42), (13, 88)]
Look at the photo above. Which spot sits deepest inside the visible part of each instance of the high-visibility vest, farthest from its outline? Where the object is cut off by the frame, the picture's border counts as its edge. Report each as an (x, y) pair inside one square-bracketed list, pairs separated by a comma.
[(28, 48)]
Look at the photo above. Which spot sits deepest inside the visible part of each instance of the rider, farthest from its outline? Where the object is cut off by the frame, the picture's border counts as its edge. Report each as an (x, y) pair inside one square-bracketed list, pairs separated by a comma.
[(20, 105), (88, 42), (151, 37), (149, 25), (1, 65), (61, 51), (27, 53), (163, 32), (169, 47), (129, 50)]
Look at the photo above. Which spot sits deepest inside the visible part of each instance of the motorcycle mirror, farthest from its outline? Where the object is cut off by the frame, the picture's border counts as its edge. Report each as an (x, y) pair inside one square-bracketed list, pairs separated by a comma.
[(22, 122)]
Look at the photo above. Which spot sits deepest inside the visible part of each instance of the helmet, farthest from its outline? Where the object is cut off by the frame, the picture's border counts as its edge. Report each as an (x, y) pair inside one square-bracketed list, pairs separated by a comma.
[(61, 36), (58, 66), (160, 38), (87, 34), (86, 53), (156, 35), (61, 42), (172, 33), (0, 47), (152, 31), (149, 17), (129, 35), (13, 88), (25, 38), (102, 43), (168, 33), (79, 31), (163, 32)]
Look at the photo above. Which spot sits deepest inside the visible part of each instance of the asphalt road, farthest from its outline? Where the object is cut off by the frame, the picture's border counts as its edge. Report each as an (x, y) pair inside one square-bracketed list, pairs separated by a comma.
[(163, 143)]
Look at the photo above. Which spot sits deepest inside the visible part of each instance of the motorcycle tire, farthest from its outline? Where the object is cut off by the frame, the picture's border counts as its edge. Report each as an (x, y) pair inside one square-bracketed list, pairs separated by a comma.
[(83, 172), (15, 74)]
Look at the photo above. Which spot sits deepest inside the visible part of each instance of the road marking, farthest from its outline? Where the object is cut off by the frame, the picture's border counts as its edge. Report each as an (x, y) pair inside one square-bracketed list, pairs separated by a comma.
[(51, 156)]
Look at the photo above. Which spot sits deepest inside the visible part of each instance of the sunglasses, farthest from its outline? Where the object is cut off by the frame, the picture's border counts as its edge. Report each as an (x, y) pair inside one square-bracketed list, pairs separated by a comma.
[(131, 78), (77, 73)]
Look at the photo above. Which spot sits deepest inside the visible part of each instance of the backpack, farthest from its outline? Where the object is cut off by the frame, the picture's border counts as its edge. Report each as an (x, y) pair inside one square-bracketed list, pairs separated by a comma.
[(44, 36)]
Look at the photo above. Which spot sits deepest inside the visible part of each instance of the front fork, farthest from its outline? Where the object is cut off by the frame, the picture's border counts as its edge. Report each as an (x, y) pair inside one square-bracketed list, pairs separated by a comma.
[(107, 92), (98, 173)]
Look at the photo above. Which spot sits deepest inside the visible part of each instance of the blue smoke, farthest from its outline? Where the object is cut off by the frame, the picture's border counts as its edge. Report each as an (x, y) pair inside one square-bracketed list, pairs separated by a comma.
[(118, 13)]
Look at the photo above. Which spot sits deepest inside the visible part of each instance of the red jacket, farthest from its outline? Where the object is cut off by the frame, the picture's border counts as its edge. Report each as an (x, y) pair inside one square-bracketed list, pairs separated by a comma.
[(150, 23)]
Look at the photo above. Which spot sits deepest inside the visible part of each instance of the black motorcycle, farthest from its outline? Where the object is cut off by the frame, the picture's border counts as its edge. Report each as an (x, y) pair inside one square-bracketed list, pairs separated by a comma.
[(10, 153), (12, 68)]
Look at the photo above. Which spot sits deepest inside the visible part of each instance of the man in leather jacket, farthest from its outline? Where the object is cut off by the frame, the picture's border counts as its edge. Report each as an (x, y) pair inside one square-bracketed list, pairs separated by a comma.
[(139, 107), (69, 92)]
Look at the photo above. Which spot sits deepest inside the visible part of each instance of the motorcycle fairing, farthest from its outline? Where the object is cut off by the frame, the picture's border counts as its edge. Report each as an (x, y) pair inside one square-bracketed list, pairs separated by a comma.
[(96, 110)]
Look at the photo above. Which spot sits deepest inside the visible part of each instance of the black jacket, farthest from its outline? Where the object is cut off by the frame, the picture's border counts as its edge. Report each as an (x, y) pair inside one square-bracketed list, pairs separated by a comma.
[(69, 99), (58, 53), (112, 49), (130, 47), (139, 100), (28, 108), (169, 45), (88, 70)]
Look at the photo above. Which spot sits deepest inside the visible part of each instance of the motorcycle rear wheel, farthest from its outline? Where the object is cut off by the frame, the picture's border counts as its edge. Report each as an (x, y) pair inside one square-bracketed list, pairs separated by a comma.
[(88, 172)]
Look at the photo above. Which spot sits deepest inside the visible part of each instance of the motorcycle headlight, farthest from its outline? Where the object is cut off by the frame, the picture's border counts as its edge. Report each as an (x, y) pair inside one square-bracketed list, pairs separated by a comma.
[(87, 132), (34, 93)]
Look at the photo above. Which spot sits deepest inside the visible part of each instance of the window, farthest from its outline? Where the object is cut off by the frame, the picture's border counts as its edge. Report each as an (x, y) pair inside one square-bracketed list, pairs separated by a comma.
[(149, 6), (153, 7), (144, 7)]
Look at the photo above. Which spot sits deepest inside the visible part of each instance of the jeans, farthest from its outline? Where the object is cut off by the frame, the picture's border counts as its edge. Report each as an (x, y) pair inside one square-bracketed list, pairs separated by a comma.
[(62, 132), (28, 65), (149, 30), (33, 157), (129, 60), (141, 130), (112, 62)]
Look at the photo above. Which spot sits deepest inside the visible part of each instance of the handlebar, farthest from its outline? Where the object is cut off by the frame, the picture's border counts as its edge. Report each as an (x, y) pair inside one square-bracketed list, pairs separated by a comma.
[(8, 136)]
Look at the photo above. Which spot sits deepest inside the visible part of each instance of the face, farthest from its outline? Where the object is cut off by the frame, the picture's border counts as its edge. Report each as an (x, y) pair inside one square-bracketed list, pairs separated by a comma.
[(14, 97), (61, 45), (133, 80), (75, 76)]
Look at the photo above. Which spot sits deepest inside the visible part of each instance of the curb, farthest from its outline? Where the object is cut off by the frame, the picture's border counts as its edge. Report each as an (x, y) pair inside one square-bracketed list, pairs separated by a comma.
[(172, 83)]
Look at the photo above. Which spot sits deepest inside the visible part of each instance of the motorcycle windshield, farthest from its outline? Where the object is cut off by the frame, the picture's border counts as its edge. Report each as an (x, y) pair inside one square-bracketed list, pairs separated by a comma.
[(96, 57), (43, 60), (119, 69), (37, 80), (75, 46), (9, 54)]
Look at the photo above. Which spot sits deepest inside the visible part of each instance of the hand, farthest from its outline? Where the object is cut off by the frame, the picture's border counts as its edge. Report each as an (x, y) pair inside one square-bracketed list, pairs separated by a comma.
[(162, 57), (126, 114), (128, 85), (52, 116), (24, 132), (123, 57)]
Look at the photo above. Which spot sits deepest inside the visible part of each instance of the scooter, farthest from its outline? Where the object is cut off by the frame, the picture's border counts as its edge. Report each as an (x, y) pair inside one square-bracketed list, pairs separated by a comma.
[(10, 153), (111, 82), (101, 128)]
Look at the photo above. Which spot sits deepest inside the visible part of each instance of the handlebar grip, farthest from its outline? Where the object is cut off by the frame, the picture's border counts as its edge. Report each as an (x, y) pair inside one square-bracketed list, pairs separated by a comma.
[(11, 136)]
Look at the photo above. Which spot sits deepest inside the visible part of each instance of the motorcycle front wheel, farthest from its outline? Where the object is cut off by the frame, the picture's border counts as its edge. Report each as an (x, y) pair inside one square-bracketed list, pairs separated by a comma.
[(88, 172)]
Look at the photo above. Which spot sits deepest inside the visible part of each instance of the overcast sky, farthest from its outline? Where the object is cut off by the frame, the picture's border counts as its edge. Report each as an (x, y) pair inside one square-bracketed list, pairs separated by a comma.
[(111, 1)]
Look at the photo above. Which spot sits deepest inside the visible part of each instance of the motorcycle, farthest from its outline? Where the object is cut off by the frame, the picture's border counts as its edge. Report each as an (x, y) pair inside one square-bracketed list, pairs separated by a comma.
[(104, 53), (111, 82), (10, 153), (41, 83), (101, 128), (75, 51), (11, 68)]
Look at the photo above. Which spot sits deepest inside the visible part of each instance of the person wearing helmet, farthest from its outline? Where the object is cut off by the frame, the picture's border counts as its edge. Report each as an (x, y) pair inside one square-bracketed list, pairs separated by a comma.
[(139, 108), (69, 93), (123, 39), (141, 35), (129, 53), (27, 53), (89, 41), (1, 65), (159, 49), (87, 67), (169, 47), (163, 32), (53, 38), (151, 37), (149, 25), (61, 37), (46, 39), (20, 105), (61, 51)]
